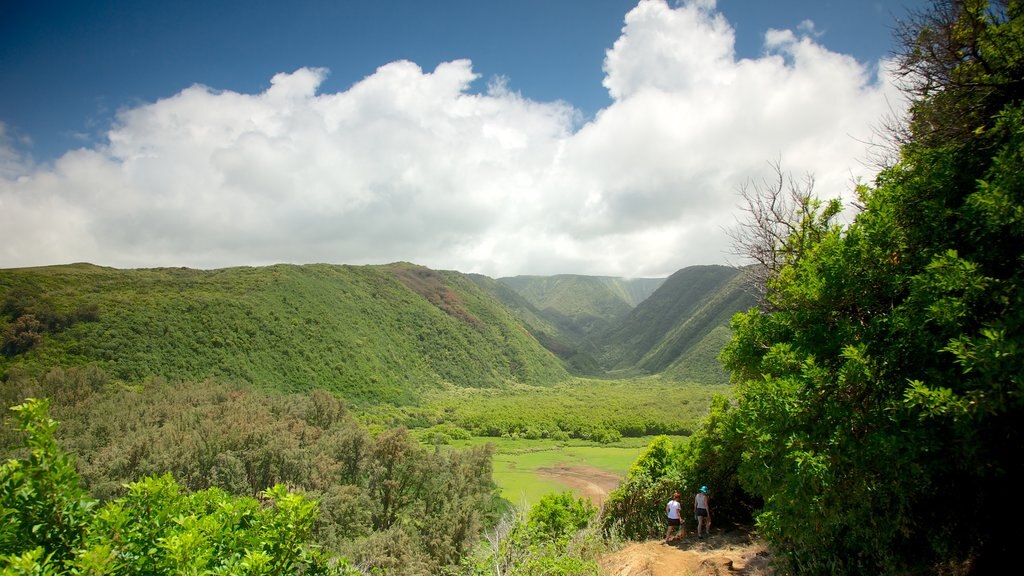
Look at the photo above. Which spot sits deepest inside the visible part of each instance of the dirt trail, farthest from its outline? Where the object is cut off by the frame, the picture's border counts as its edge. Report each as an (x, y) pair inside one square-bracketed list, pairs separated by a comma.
[(722, 553), (733, 552)]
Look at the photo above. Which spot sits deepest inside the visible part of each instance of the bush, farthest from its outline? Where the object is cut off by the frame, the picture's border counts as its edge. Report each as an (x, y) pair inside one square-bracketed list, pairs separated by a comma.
[(46, 527)]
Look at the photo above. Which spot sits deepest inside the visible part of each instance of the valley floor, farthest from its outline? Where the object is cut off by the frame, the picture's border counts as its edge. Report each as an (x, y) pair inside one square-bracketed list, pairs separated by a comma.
[(585, 481)]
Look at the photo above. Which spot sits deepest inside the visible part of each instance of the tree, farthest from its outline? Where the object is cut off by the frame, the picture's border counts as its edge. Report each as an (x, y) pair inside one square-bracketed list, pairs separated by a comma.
[(880, 388), (782, 218), (22, 335), (41, 504), (961, 61)]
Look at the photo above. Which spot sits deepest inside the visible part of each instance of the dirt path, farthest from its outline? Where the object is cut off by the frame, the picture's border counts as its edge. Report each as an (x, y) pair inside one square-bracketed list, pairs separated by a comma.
[(722, 553), (586, 481), (733, 552)]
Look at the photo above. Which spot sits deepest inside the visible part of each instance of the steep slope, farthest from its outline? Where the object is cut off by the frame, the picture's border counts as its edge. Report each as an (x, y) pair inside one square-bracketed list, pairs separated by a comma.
[(580, 306), (681, 326), (576, 353), (371, 333), (692, 348)]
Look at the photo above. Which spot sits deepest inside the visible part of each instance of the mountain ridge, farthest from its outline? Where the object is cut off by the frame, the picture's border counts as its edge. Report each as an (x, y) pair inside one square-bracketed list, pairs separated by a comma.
[(375, 333)]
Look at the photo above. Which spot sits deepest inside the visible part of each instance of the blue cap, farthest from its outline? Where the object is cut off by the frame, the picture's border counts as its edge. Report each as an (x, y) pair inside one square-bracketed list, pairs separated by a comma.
[(704, 489)]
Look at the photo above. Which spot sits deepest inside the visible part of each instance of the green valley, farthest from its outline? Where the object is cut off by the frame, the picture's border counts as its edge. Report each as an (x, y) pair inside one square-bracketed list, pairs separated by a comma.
[(358, 386), (445, 354)]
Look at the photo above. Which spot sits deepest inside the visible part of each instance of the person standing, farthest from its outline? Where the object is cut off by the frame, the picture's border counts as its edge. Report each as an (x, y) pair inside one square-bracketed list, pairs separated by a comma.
[(674, 511), (702, 511)]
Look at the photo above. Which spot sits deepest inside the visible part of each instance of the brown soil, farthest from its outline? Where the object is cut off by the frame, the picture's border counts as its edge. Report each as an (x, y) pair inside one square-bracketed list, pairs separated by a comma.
[(721, 553), (732, 552), (585, 481)]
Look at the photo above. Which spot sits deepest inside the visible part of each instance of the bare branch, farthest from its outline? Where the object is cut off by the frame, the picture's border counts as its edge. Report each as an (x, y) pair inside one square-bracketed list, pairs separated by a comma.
[(776, 225)]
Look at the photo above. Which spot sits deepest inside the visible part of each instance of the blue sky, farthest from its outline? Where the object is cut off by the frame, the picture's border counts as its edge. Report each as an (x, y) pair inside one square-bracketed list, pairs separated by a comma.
[(98, 103)]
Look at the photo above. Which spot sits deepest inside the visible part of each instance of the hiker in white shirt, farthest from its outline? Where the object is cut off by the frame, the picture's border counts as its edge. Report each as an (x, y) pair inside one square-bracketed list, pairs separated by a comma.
[(674, 511)]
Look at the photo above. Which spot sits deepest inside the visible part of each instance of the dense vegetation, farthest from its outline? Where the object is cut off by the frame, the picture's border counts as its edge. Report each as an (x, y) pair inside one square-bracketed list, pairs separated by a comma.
[(48, 525), (51, 527), (576, 352), (679, 323), (599, 410), (879, 389), (385, 499), (372, 334), (602, 325)]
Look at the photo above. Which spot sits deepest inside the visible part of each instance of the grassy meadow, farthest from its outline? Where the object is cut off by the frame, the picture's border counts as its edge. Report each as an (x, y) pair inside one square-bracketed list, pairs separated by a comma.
[(584, 423), (517, 462)]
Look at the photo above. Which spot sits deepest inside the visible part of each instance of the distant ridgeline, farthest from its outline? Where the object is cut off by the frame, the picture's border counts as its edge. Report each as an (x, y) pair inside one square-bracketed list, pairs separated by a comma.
[(370, 333)]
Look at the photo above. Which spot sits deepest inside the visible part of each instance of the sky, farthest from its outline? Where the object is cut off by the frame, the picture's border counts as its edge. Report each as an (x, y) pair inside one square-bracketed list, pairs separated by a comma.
[(601, 137)]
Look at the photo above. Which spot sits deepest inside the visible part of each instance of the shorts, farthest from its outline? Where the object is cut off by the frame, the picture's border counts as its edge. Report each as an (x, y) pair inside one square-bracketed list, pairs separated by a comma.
[(702, 512), (674, 521)]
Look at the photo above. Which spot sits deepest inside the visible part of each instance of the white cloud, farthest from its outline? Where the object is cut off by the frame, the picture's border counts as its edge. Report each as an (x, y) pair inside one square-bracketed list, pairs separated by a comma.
[(809, 28), (412, 165)]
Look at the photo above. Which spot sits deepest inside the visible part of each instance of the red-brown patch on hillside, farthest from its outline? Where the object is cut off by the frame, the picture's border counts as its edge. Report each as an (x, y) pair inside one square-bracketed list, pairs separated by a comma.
[(430, 285)]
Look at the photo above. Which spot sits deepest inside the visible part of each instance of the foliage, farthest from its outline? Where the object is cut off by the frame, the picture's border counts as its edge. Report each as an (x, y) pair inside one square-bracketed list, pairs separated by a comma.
[(712, 457), (636, 509), (558, 538), (674, 321), (241, 440), (359, 331), (782, 219), (41, 504), (879, 390), (154, 529), (962, 62), (561, 514)]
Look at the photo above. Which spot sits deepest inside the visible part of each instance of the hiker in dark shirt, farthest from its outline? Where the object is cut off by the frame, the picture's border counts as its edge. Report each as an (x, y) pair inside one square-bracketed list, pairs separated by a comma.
[(702, 511)]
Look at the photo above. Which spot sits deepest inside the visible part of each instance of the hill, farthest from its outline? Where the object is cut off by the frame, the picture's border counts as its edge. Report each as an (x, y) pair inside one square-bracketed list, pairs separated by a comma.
[(577, 353), (681, 327), (371, 333), (582, 305)]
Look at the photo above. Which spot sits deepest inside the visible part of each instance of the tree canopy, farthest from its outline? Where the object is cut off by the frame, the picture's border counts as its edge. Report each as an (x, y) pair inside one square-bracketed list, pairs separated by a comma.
[(881, 388), (879, 384)]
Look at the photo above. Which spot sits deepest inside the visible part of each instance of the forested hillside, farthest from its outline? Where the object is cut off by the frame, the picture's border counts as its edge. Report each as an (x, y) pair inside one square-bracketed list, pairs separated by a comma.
[(635, 326), (577, 353), (583, 305), (369, 333), (682, 326)]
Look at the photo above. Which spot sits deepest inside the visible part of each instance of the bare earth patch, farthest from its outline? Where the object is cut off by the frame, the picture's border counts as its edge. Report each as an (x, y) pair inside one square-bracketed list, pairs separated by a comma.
[(585, 481), (734, 552)]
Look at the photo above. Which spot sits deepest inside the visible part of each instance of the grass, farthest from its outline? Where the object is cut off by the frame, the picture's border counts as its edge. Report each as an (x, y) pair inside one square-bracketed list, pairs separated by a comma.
[(516, 462)]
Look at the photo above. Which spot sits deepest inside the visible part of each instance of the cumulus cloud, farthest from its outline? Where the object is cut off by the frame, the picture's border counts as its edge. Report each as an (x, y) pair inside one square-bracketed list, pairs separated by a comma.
[(414, 165)]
